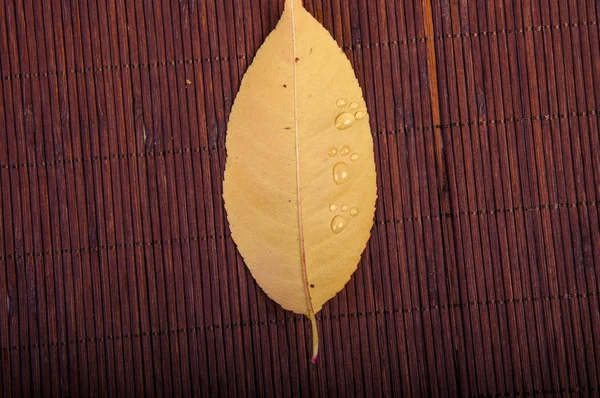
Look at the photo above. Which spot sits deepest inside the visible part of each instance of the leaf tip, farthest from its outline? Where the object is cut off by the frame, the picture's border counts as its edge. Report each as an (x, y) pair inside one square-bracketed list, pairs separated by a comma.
[(295, 3)]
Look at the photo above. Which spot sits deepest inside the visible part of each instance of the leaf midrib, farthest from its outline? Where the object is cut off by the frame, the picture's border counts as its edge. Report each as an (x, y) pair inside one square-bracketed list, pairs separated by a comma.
[(292, 4)]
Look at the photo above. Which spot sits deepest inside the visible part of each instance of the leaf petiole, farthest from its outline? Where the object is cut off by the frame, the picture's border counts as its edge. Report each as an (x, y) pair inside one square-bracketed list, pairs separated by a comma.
[(315, 336)]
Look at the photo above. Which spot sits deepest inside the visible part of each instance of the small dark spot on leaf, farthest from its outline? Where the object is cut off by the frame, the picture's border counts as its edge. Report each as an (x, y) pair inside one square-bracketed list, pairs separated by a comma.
[(311, 50), (288, 128), (297, 59), (311, 285)]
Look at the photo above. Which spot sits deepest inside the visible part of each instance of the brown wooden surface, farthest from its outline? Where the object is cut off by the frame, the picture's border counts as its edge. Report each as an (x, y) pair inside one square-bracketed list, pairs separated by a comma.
[(118, 275)]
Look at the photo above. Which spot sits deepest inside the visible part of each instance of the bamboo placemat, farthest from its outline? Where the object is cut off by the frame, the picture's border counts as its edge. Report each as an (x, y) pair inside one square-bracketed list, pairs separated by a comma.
[(118, 275)]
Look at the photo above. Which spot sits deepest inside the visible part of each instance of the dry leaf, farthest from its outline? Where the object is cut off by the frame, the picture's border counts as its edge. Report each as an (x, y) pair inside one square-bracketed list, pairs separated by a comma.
[(300, 184)]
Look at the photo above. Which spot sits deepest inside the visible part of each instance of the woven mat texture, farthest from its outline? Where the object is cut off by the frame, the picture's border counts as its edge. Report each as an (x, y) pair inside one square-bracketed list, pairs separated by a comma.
[(118, 274)]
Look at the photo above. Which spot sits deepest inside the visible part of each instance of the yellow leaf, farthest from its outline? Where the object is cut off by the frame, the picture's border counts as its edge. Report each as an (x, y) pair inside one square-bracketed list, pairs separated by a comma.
[(300, 185)]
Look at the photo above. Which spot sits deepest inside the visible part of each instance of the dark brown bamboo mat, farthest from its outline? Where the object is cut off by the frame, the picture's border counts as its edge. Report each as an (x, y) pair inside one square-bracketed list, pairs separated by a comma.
[(118, 275)]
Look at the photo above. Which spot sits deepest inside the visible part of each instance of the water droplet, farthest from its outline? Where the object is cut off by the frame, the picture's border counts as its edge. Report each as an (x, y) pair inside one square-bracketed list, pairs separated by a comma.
[(345, 151), (344, 121), (332, 207), (359, 115), (341, 173), (354, 106), (341, 102), (338, 224), (354, 212), (344, 207), (354, 157), (333, 152)]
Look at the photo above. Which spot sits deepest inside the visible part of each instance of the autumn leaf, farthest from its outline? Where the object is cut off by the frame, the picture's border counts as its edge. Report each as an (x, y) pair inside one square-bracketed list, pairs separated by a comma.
[(300, 184)]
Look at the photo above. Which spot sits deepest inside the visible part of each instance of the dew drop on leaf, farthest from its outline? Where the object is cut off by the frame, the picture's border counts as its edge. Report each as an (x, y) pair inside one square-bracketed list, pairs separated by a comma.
[(338, 224), (344, 121), (341, 173)]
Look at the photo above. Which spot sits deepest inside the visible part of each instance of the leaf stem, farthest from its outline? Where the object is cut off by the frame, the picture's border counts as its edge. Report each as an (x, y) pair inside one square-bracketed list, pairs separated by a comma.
[(315, 336)]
